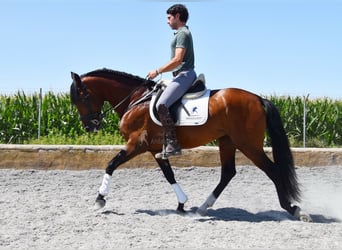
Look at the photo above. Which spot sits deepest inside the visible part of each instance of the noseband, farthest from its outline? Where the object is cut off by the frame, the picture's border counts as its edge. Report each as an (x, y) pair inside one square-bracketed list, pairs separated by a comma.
[(93, 118)]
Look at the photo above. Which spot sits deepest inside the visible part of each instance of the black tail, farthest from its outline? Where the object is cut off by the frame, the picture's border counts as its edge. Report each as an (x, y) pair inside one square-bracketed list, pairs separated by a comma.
[(281, 151)]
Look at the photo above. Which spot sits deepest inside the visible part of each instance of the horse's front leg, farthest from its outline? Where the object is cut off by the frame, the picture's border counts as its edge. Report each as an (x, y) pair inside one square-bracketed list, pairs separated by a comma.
[(120, 158), (165, 166)]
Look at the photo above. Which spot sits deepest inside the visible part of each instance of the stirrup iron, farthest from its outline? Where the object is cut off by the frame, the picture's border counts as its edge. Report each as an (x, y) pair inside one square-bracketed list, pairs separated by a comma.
[(165, 155)]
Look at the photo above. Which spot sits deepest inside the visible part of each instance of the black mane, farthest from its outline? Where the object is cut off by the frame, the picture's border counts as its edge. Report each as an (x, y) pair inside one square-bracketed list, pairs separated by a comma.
[(114, 75)]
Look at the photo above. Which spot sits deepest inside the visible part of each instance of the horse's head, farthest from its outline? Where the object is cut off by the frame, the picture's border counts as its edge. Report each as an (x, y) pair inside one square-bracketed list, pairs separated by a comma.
[(87, 103)]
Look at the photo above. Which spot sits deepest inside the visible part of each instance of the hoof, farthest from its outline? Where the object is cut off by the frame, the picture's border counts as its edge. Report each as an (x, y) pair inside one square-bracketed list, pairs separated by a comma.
[(305, 218), (300, 215), (100, 202), (180, 208)]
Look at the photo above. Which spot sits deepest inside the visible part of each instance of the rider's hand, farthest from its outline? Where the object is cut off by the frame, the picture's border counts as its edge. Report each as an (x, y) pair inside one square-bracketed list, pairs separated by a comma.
[(152, 74)]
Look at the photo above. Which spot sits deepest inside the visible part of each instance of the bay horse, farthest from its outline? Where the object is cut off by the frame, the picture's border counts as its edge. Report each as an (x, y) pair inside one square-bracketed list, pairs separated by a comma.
[(237, 119)]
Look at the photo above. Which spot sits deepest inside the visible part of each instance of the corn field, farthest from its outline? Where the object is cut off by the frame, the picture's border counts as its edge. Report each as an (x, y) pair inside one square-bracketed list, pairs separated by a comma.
[(19, 123), (323, 125), (19, 120)]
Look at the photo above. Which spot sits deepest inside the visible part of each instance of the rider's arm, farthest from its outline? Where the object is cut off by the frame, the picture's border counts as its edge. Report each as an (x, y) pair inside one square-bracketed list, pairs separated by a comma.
[(173, 63)]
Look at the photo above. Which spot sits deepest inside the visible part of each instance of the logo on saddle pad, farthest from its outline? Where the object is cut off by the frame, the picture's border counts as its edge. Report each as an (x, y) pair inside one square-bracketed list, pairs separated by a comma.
[(191, 110)]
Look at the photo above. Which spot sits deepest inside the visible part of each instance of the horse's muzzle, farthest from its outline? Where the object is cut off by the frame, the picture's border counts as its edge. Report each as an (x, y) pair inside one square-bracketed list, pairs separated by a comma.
[(91, 122), (91, 129)]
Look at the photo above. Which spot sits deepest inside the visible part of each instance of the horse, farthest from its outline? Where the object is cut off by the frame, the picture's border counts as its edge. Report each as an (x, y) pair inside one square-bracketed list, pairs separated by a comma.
[(237, 120)]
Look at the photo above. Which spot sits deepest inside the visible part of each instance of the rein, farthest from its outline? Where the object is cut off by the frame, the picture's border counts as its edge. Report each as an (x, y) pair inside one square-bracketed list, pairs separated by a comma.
[(124, 99), (96, 117)]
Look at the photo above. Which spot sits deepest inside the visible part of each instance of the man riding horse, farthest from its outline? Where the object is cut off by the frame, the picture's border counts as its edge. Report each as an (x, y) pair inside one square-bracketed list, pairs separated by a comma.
[(182, 67)]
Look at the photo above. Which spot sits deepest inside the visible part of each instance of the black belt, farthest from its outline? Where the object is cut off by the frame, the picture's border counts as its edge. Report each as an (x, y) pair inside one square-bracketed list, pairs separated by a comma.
[(175, 73)]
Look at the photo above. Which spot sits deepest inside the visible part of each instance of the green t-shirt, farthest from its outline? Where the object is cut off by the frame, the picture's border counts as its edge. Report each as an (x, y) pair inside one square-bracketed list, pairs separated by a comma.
[(183, 39)]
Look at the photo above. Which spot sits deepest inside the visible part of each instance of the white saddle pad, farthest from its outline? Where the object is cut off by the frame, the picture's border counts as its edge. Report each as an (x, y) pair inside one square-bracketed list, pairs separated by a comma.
[(193, 112)]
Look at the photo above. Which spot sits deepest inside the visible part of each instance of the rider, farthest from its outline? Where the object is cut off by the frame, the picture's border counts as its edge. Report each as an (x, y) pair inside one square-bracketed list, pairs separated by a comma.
[(182, 67)]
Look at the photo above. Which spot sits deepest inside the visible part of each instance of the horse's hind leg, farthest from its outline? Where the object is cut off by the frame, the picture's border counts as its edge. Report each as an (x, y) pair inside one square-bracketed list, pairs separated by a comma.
[(273, 172), (165, 166), (228, 171), (261, 160)]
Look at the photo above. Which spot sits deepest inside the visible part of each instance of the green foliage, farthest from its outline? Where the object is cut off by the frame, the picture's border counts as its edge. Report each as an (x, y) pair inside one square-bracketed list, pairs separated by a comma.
[(98, 138), (17, 117), (60, 121), (323, 120)]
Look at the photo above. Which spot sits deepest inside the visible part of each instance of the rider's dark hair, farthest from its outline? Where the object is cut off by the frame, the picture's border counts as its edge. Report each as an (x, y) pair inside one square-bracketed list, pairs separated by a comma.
[(181, 9)]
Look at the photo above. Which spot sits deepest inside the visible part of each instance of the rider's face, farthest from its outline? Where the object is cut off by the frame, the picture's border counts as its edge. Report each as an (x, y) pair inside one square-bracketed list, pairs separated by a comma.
[(173, 21)]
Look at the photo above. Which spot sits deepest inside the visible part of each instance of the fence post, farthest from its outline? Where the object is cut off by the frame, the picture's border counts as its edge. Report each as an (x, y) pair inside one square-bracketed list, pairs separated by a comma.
[(304, 119), (39, 111)]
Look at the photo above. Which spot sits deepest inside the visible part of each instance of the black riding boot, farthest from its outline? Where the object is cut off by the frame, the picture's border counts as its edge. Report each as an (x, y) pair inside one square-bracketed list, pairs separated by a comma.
[(171, 146)]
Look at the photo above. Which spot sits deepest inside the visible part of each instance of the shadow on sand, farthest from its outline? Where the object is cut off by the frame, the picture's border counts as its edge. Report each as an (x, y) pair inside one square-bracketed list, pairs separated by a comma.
[(237, 214)]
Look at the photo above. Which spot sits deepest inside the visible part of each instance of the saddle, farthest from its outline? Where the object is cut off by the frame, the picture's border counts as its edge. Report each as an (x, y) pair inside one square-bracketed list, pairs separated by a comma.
[(190, 110)]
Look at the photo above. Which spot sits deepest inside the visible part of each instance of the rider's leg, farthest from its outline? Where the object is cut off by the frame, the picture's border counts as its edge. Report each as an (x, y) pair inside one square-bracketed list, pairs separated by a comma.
[(177, 88), (172, 147), (171, 94)]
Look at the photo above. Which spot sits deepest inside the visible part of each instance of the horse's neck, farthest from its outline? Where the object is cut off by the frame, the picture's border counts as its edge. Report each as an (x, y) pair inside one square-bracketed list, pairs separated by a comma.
[(120, 95)]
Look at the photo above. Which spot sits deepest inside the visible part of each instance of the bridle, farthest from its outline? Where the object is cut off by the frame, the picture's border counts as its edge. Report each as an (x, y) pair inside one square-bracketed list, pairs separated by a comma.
[(95, 118)]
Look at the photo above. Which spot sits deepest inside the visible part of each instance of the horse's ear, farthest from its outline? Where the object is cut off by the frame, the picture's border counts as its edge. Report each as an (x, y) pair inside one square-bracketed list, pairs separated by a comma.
[(75, 77), (78, 82)]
